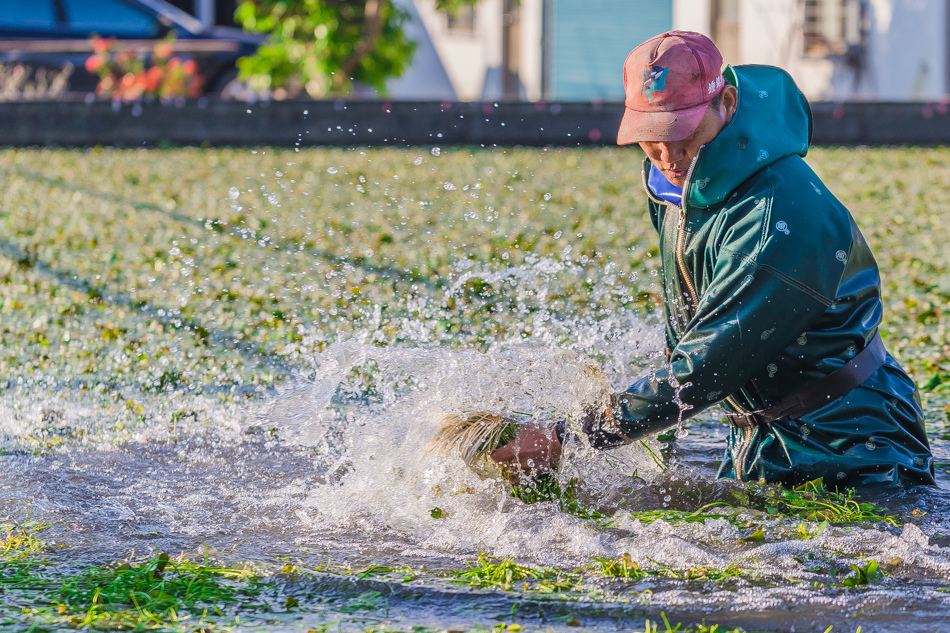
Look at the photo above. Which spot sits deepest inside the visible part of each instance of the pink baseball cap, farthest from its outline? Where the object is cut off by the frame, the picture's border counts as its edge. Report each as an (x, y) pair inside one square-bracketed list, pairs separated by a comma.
[(669, 81)]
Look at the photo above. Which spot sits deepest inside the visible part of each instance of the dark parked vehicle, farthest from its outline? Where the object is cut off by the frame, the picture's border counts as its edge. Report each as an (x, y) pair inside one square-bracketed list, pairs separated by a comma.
[(52, 35)]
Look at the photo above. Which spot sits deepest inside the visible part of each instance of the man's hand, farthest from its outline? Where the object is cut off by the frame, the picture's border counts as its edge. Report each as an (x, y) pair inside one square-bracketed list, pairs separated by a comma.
[(534, 451)]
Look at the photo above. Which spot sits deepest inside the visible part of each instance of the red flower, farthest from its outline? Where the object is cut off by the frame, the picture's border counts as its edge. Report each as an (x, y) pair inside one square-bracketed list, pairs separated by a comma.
[(163, 50), (127, 81), (174, 63), (93, 63), (100, 45), (153, 79), (189, 66)]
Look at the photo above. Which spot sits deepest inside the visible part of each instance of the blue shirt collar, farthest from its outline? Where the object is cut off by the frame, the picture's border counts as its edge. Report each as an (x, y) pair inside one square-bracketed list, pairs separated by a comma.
[(663, 188)]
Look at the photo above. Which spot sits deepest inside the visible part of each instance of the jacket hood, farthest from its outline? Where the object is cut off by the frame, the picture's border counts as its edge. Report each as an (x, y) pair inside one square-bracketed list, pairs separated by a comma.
[(772, 121)]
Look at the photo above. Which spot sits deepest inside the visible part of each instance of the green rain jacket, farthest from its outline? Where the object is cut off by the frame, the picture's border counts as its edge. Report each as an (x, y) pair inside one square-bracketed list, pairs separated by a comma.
[(768, 286)]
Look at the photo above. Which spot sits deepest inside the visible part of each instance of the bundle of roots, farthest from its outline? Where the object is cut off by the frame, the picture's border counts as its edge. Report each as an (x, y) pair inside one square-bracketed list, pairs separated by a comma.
[(473, 436)]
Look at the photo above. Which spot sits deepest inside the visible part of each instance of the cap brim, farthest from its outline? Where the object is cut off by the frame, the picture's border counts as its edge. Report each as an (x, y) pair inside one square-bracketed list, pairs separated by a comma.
[(659, 126)]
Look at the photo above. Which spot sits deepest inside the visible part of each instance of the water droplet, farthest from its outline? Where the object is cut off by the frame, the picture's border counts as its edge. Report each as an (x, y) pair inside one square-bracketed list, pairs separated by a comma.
[(681, 433), (233, 193), (331, 170), (436, 151), (417, 160), (557, 235), (667, 498), (547, 196), (449, 186), (272, 198)]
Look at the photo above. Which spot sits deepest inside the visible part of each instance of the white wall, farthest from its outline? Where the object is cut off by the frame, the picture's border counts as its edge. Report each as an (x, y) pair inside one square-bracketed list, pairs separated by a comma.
[(531, 47), (770, 32), (473, 60), (465, 56), (692, 15), (906, 50), (908, 45), (426, 77)]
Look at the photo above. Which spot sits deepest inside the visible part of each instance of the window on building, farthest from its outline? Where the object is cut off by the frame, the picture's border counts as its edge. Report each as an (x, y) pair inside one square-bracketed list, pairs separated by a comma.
[(831, 26)]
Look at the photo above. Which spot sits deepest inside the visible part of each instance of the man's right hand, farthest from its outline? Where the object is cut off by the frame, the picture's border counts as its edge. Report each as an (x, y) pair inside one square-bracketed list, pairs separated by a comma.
[(535, 451)]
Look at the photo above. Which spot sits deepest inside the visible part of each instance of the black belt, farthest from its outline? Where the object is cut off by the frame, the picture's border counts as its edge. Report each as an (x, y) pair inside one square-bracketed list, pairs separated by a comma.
[(821, 392)]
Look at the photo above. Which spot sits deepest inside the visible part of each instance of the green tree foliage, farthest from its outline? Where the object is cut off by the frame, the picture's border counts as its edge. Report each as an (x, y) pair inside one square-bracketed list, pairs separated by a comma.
[(321, 47)]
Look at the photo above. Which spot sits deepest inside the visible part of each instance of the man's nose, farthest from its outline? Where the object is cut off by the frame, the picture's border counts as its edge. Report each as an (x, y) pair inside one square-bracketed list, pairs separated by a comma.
[(671, 152)]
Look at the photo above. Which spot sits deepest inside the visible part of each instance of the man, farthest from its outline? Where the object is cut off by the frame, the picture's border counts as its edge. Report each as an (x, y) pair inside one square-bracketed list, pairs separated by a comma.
[(772, 296)]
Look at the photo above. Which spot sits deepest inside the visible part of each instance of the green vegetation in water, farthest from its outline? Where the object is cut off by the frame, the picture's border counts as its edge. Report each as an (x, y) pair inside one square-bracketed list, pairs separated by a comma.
[(863, 574), (507, 575), (18, 541), (152, 269), (812, 501), (156, 593), (545, 488), (626, 568), (503, 573), (655, 627)]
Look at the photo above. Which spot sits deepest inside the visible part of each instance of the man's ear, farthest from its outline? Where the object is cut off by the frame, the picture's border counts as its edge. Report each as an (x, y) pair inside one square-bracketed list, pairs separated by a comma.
[(730, 102)]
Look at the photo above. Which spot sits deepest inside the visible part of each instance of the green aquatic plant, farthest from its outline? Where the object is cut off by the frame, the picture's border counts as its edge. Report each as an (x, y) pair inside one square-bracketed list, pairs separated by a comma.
[(626, 568), (864, 574), (18, 541), (654, 627), (504, 573), (155, 593), (811, 501), (546, 488), (679, 516)]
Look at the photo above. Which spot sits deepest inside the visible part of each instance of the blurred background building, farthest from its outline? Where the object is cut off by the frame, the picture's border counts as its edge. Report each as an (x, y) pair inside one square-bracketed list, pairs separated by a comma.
[(573, 50)]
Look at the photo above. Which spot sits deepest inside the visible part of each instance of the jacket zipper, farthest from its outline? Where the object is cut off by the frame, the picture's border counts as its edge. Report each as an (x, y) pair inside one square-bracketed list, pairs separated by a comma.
[(694, 298), (739, 466)]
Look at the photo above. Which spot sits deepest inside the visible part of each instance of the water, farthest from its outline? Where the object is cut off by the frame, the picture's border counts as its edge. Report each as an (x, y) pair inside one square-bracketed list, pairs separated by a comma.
[(331, 462)]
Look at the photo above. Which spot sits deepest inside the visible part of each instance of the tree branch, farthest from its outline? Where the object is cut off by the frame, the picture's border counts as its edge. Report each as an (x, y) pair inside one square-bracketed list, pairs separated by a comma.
[(373, 26)]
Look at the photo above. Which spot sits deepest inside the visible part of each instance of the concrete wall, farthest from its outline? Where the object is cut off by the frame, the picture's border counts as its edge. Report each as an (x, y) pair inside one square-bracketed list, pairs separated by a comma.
[(290, 123)]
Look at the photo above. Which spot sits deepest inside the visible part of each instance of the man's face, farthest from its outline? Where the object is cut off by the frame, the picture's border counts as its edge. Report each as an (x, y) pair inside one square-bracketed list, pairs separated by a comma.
[(673, 158)]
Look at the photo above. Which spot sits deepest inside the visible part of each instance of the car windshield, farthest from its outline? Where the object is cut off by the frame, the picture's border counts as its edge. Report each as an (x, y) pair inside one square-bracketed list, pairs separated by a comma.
[(36, 15), (186, 21)]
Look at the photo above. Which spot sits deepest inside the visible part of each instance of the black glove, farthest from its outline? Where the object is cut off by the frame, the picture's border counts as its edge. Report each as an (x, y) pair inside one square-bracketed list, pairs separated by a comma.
[(599, 427)]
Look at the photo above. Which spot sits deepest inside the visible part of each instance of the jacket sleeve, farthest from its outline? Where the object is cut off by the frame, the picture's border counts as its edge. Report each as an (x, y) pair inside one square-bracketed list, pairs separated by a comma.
[(751, 309)]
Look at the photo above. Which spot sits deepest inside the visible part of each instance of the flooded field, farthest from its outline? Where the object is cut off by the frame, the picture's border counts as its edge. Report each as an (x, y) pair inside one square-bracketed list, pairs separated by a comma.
[(222, 371)]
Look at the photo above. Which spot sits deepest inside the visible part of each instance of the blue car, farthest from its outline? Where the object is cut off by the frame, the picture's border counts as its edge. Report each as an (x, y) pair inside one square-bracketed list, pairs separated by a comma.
[(54, 35)]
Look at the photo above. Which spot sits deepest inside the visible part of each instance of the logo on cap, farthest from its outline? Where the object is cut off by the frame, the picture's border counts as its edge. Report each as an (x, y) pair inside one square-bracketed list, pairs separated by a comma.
[(654, 79)]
